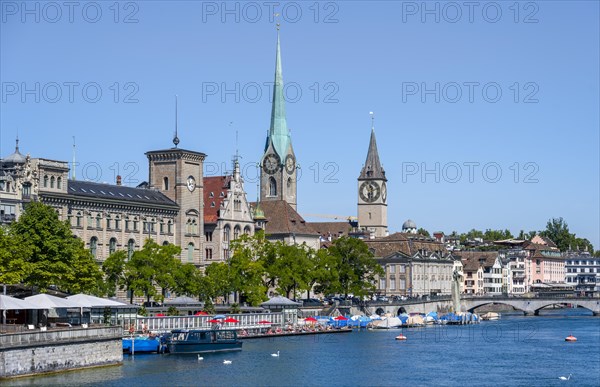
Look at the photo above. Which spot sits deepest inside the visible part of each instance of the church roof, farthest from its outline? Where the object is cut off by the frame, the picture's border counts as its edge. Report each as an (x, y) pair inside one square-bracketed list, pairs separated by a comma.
[(408, 244), (331, 229), (372, 168), (279, 134), (215, 191), (90, 189), (283, 219)]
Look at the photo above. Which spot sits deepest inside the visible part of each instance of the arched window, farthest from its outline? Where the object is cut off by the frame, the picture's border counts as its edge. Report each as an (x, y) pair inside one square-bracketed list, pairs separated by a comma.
[(52, 182), (247, 230), (165, 243), (94, 246), (59, 183), (190, 252), (272, 187), (166, 183), (130, 247), (112, 245), (236, 232), (46, 181), (226, 233), (98, 221)]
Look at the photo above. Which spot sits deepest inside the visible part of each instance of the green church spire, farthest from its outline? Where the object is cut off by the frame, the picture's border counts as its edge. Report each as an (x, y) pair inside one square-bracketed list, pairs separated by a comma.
[(278, 132)]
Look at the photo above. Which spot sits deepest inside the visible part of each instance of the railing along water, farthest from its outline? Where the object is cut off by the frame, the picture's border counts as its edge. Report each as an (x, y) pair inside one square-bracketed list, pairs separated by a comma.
[(168, 323)]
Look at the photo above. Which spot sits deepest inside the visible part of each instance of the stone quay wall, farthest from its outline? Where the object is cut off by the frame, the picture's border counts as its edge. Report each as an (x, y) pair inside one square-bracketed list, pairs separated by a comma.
[(31, 353)]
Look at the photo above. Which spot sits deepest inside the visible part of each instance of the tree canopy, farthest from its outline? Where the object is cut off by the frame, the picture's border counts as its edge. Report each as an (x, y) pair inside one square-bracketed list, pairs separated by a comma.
[(49, 254)]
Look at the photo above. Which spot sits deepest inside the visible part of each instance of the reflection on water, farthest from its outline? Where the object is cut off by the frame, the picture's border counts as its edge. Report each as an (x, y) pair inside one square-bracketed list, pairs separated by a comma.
[(514, 350)]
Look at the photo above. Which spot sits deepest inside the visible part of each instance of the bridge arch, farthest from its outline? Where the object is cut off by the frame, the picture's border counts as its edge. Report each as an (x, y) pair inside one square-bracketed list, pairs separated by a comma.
[(471, 308)]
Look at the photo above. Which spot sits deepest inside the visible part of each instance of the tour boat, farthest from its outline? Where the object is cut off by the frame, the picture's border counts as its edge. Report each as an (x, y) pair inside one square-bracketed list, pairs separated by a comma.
[(182, 341), (570, 338), (400, 337), (490, 316)]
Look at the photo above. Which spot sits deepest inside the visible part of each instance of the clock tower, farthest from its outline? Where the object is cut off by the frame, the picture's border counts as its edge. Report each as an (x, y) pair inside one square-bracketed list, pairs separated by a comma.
[(178, 174), (372, 193), (278, 168)]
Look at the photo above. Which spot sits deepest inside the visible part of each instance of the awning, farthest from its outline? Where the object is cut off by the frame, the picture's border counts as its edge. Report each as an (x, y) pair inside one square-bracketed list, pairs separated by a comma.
[(11, 303)]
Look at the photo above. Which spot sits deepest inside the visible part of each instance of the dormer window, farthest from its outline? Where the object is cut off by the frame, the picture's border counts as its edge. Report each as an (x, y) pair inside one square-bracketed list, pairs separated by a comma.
[(211, 195)]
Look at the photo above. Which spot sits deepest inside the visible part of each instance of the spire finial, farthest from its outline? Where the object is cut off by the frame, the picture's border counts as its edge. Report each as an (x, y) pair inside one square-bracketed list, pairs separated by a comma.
[(372, 120), (17, 143), (73, 165), (176, 139), (277, 24)]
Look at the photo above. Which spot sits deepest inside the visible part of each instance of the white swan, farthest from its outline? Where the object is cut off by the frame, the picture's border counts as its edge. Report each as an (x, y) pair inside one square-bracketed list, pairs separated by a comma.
[(226, 361), (275, 354), (565, 377), (200, 357)]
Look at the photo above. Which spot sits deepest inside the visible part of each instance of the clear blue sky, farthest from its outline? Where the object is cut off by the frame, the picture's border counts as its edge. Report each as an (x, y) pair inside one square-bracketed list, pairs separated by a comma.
[(360, 57)]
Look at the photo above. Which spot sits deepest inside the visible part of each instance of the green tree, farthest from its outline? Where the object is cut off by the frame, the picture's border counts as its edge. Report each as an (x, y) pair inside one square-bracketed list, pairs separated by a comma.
[(324, 274), (557, 230), (188, 280), (422, 231), (114, 272), (154, 265), (57, 257), (356, 267), (217, 281), (14, 254), (293, 268)]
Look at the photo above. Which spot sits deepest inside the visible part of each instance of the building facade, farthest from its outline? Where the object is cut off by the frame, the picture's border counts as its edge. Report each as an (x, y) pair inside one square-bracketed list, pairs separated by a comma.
[(582, 270), (227, 214)]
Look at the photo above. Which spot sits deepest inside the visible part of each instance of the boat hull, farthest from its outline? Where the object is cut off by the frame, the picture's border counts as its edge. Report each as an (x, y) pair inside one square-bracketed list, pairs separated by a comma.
[(191, 348), (203, 341), (140, 345)]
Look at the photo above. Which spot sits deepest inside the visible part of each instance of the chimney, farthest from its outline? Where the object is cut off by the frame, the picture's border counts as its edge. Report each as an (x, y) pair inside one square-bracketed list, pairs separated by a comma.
[(118, 179)]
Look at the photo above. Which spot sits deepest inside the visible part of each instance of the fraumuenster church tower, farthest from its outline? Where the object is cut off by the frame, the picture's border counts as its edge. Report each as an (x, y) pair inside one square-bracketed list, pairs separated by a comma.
[(278, 176), (372, 193)]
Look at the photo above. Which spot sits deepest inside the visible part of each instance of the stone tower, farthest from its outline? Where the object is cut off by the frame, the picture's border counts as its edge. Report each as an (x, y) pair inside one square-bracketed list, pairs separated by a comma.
[(178, 173), (372, 193), (278, 174)]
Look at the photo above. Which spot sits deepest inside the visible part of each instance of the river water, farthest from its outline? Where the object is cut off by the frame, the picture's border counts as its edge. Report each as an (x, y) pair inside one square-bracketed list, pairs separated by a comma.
[(513, 351)]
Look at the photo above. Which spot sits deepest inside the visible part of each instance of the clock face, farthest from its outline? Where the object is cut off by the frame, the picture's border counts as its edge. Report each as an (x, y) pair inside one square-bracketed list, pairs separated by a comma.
[(191, 183), (290, 164), (271, 163), (369, 191), (384, 192)]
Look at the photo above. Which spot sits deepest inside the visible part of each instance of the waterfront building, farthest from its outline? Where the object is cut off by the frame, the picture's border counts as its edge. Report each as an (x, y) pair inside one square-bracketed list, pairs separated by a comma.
[(414, 265), (482, 272), (544, 264), (582, 270)]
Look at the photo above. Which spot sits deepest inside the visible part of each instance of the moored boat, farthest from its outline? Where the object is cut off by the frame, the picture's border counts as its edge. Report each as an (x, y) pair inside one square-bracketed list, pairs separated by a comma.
[(490, 316), (182, 341), (141, 344)]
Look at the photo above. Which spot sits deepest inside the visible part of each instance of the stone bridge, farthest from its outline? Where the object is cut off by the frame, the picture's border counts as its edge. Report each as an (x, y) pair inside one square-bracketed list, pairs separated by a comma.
[(528, 305)]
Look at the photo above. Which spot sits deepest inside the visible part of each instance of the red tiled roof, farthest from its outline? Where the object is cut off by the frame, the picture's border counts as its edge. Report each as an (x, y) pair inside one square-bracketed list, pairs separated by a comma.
[(218, 186), (283, 219)]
